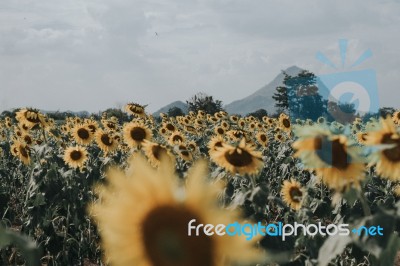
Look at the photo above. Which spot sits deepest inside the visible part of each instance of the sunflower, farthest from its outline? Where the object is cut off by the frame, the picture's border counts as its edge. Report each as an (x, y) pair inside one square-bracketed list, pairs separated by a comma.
[(92, 125), (135, 109), (82, 134), (215, 143), (75, 156), (27, 139), (170, 127), (176, 138), (234, 118), (361, 137), (236, 135), (292, 194), (106, 141), (262, 138), (219, 130), (30, 117), (321, 120), (183, 152), (154, 152), (387, 158), (156, 232), (241, 159), (136, 133), (396, 117), (284, 122), (22, 151), (331, 156), (279, 136)]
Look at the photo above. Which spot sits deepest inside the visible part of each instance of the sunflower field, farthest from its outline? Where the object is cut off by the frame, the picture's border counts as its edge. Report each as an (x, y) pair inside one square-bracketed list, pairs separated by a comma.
[(101, 191)]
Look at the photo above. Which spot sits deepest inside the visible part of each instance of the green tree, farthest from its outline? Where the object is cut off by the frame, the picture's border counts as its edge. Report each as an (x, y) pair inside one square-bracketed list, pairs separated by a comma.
[(202, 101), (300, 96), (175, 111), (259, 113)]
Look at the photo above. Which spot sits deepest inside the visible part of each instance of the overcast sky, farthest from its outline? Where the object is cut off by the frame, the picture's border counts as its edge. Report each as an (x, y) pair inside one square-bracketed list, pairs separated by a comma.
[(94, 54)]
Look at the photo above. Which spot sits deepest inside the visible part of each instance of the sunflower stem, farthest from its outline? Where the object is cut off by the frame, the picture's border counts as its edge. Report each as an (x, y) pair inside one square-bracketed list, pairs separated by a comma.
[(364, 203)]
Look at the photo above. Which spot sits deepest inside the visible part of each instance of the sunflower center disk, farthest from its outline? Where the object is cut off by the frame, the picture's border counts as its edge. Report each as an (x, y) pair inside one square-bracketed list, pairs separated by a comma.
[(239, 158), (332, 152), (106, 140), (166, 240), (295, 194), (392, 154), (286, 122), (76, 155), (138, 134), (83, 133)]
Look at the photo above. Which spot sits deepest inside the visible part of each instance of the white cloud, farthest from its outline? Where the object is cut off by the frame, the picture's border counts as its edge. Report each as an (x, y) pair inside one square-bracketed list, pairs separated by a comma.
[(95, 54)]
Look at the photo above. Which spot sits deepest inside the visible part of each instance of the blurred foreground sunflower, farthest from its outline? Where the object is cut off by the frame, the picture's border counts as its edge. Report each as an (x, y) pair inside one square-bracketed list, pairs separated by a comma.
[(144, 221), (332, 157), (387, 157)]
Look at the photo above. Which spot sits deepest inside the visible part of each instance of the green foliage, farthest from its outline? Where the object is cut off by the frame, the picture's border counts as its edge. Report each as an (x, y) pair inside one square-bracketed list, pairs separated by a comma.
[(259, 114), (204, 102), (175, 111)]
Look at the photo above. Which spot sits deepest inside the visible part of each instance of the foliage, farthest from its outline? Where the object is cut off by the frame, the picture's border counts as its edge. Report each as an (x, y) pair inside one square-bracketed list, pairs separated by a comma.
[(202, 101)]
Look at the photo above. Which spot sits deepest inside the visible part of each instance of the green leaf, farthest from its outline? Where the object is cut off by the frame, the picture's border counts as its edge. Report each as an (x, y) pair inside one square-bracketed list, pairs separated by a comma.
[(333, 246), (27, 247)]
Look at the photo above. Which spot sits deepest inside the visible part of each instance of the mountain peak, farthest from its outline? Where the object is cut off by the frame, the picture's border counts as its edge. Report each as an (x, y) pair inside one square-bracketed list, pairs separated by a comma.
[(262, 98)]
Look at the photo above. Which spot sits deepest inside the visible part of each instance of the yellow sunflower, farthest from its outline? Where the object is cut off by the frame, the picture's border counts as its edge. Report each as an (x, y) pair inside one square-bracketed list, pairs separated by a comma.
[(176, 138), (30, 117), (241, 159), (215, 143), (136, 133), (22, 151), (156, 232), (284, 122), (184, 152), (219, 130), (154, 152), (387, 158), (262, 138), (135, 109), (292, 194), (76, 156), (396, 117), (106, 141), (169, 126), (333, 159), (82, 134)]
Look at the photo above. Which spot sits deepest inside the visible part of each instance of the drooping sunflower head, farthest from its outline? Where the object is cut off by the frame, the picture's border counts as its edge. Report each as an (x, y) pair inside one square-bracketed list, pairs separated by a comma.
[(387, 156), (31, 117), (135, 109), (75, 157), (241, 159), (82, 134), (332, 156), (22, 151), (136, 133), (156, 233), (292, 194)]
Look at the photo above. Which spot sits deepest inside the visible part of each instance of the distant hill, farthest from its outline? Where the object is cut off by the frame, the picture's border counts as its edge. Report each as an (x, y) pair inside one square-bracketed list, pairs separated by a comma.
[(165, 109), (262, 98)]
